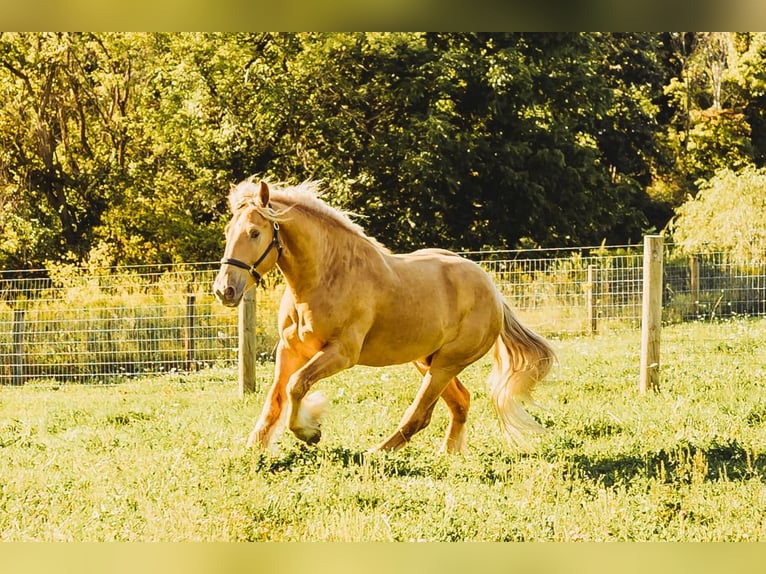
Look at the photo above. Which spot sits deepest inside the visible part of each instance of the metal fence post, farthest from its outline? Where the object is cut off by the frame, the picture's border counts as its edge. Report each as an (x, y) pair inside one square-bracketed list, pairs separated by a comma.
[(17, 371), (191, 301), (591, 298), (651, 315), (247, 348)]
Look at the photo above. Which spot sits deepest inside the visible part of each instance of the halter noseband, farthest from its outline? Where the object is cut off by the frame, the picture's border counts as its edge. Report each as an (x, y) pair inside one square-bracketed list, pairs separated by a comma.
[(275, 243)]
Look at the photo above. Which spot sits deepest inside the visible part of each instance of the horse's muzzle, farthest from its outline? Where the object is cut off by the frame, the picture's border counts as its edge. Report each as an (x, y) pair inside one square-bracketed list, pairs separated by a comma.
[(227, 293), (228, 297)]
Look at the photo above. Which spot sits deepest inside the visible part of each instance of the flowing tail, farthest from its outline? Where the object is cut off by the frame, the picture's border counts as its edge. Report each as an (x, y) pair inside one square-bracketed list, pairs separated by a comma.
[(522, 357)]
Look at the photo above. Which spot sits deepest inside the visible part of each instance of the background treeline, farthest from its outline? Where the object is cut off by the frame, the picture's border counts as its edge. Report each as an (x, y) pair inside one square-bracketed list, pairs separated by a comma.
[(119, 148)]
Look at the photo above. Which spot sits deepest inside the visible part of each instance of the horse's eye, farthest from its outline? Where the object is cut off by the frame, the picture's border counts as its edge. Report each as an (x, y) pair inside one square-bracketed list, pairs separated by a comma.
[(254, 233)]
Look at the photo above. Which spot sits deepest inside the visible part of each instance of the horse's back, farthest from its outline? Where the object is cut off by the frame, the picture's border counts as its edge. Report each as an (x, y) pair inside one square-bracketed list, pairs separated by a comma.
[(427, 253), (444, 269), (435, 296)]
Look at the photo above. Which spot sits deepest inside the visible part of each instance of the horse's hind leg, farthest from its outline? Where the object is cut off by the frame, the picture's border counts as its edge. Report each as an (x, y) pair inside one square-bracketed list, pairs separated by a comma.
[(418, 414), (458, 400)]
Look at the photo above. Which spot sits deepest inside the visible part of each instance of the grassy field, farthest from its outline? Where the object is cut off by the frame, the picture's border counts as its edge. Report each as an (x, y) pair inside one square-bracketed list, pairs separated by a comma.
[(163, 459)]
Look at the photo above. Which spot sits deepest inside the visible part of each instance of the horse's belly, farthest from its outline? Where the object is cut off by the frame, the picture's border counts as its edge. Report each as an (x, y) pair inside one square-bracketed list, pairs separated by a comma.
[(402, 344), (442, 301), (386, 357)]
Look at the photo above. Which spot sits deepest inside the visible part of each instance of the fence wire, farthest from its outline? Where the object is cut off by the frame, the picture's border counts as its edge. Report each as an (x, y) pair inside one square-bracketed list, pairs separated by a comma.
[(95, 327), (600, 289), (103, 325), (570, 291)]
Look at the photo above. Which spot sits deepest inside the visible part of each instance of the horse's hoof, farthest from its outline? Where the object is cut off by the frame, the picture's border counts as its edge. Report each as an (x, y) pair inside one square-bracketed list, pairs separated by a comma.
[(309, 436)]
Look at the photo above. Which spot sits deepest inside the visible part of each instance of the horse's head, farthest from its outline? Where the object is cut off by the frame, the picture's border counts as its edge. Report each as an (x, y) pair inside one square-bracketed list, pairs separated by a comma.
[(252, 243)]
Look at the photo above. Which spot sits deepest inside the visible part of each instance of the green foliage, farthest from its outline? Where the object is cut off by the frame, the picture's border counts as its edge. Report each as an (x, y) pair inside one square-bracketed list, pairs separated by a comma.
[(124, 144), (728, 214), (88, 153), (712, 102)]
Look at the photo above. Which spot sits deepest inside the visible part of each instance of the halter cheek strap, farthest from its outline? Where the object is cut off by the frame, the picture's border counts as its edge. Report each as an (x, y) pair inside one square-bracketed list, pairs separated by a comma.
[(275, 244)]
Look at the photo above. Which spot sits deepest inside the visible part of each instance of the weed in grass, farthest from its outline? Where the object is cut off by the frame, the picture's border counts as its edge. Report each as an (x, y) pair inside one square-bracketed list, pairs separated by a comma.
[(756, 416), (122, 419)]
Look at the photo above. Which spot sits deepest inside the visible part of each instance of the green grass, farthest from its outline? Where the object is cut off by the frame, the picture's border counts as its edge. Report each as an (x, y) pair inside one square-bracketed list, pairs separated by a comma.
[(164, 458)]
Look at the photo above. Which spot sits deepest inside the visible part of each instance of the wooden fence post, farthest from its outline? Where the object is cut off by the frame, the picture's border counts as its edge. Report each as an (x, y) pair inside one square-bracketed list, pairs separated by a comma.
[(17, 369), (651, 315), (247, 352), (591, 297)]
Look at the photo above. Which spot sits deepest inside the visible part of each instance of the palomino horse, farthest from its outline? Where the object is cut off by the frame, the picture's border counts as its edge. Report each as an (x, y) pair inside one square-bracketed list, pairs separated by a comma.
[(349, 301)]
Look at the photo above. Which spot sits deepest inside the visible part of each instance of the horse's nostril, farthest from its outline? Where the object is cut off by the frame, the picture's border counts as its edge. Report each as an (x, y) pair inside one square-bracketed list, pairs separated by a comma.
[(228, 294)]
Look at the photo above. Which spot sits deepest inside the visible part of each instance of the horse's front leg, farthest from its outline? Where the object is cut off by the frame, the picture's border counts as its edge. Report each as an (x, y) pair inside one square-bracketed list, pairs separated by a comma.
[(305, 413), (267, 427)]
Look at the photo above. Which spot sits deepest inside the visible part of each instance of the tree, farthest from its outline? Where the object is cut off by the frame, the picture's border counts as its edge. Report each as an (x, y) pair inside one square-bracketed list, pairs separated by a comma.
[(462, 140), (120, 148), (728, 214), (172, 197), (114, 146), (708, 130), (752, 80), (66, 101)]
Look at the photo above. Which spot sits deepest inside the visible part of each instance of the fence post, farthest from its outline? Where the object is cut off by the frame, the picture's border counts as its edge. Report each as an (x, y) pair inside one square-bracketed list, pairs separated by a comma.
[(247, 352), (191, 301), (17, 371), (694, 283), (651, 315), (590, 300)]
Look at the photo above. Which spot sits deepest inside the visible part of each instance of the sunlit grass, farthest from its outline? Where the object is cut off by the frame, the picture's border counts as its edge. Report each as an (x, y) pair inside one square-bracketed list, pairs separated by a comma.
[(165, 459)]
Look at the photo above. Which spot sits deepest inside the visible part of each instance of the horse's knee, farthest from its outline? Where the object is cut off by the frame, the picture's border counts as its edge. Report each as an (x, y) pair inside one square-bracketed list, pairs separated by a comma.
[(297, 389), (460, 414)]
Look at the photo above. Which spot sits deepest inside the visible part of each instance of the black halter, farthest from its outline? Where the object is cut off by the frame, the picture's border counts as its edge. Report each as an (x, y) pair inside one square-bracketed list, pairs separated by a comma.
[(275, 243)]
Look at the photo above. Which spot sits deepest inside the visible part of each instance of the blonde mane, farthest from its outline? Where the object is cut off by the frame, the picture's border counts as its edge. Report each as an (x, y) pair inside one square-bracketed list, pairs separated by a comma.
[(306, 197)]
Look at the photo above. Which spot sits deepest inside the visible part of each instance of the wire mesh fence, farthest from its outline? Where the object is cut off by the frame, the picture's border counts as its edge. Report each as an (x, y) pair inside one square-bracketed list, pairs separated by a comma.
[(569, 290), (103, 325), (598, 289), (712, 286)]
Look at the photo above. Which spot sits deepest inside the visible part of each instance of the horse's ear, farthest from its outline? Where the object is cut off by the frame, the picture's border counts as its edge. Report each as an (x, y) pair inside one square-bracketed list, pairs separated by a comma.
[(232, 199), (262, 196)]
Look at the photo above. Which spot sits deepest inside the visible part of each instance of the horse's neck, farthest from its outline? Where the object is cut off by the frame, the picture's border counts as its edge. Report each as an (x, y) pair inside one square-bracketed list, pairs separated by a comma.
[(307, 254), (317, 258)]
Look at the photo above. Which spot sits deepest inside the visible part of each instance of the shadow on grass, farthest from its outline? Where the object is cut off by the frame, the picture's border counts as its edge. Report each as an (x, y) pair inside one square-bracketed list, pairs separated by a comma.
[(402, 464), (681, 463)]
